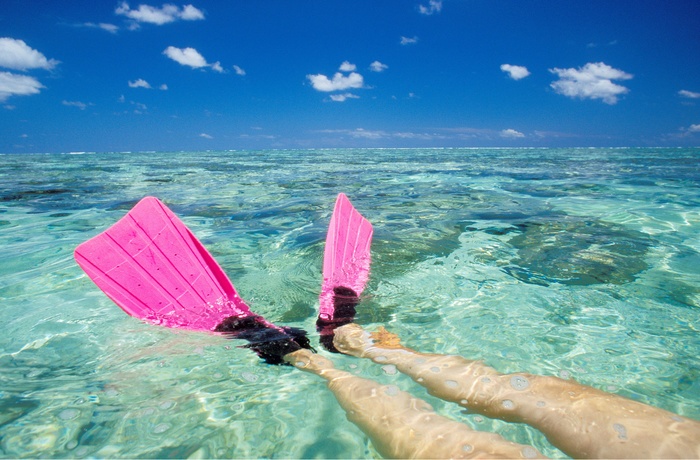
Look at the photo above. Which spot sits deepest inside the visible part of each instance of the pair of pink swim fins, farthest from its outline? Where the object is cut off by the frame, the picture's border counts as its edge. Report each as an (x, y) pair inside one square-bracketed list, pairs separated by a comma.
[(153, 267)]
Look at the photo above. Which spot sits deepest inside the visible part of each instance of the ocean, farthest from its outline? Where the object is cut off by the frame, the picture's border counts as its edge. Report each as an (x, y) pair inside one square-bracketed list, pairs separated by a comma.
[(578, 263)]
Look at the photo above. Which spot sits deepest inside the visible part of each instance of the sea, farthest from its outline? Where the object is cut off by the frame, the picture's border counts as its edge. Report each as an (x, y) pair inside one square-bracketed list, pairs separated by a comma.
[(577, 263)]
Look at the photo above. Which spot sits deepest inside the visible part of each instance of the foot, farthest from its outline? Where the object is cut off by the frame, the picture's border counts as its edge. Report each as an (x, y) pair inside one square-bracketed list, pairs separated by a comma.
[(344, 302), (308, 361), (353, 340)]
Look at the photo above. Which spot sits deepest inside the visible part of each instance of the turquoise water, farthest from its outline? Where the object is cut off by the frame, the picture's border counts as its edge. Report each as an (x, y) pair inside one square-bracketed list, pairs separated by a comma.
[(582, 263)]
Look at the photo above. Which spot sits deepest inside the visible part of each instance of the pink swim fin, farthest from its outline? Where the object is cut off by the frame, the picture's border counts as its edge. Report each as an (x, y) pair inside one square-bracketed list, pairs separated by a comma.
[(346, 262), (152, 266)]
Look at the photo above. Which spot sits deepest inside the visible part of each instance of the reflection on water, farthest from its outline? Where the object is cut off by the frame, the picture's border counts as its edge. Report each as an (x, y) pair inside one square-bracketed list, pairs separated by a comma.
[(581, 263)]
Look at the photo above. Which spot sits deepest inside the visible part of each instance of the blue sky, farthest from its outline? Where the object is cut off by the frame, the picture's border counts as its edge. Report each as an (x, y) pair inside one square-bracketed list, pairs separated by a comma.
[(90, 75)]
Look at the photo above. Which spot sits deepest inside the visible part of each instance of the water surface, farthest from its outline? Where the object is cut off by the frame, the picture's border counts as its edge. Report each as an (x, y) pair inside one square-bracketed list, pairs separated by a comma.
[(582, 263)]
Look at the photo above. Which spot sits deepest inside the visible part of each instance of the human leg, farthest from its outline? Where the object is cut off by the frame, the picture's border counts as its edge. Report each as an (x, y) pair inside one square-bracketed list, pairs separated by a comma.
[(400, 425), (581, 421)]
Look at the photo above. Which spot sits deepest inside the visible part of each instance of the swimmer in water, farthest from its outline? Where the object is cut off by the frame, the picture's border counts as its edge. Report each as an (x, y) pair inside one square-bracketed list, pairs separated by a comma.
[(581, 421), (156, 251), (401, 425)]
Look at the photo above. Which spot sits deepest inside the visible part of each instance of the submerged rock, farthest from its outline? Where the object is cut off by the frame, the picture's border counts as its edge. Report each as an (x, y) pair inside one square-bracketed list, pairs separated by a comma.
[(578, 252)]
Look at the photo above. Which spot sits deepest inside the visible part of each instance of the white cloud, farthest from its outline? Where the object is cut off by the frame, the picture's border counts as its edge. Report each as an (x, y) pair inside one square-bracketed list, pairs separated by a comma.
[(367, 134), (511, 134), (347, 67), (17, 55), (361, 133), (595, 45), (187, 56), (377, 66), (111, 28), (159, 16), (238, 70), (434, 6), (192, 58), (592, 81), (408, 40), (190, 13), (339, 82), (140, 83), (516, 72), (206, 136), (694, 128), (689, 94), (17, 85), (78, 104), (343, 97)]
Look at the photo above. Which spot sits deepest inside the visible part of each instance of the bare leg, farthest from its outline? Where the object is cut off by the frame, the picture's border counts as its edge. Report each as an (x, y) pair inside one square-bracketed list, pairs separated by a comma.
[(579, 420), (401, 426)]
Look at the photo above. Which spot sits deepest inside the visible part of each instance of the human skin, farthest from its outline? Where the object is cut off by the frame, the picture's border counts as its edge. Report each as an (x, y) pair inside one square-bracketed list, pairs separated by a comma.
[(581, 421), (400, 425)]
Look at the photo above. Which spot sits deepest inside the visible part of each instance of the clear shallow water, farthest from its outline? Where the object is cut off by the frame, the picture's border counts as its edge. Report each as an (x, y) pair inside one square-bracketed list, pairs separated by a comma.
[(581, 263)]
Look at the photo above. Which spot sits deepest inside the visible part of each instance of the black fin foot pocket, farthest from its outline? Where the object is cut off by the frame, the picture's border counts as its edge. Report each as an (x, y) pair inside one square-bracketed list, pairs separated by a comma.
[(270, 343), (344, 302)]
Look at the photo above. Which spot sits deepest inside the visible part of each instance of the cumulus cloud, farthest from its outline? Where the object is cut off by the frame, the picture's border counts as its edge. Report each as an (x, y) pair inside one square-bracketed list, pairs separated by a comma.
[(159, 16), (346, 78), (17, 55), (689, 94), (190, 57), (434, 6), (686, 132), (186, 56), (206, 136), (238, 70), (377, 66), (516, 72), (511, 134), (217, 67), (347, 67), (140, 83), (190, 13), (339, 82), (343, 97), (17, 85), (408, 40), (592, 81)]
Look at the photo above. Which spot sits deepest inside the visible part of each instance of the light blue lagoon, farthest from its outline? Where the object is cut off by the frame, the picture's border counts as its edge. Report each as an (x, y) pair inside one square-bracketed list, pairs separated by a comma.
[(580, 263)]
